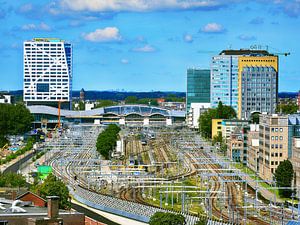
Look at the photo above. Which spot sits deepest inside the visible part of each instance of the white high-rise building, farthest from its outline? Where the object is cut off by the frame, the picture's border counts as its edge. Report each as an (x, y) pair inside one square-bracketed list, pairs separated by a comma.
[(47, 72)]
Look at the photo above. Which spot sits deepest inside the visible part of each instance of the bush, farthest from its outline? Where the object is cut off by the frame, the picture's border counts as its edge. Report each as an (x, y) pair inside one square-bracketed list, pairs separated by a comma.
[(161, 218)]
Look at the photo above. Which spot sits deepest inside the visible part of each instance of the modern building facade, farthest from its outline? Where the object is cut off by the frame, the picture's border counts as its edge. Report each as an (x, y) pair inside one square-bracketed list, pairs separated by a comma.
[(47, 72), (258, 84), (224, 80), (195, 112), (245, 79), (273, 143), (198, 87)]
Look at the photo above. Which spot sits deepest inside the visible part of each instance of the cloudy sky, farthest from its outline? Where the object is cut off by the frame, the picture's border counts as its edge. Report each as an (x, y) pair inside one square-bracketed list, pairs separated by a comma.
[(144, 45)]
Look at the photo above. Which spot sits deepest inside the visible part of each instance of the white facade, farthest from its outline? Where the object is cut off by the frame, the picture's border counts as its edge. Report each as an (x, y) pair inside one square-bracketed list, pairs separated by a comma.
[(195, 111), (47, 70)]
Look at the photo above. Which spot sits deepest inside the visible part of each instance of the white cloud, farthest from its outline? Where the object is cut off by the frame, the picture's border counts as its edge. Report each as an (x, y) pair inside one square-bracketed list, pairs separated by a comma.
[(213, 28), (146, 48), (140, 5), (188, 38), (245, 37), (107, 34), (124, 61), (39, 27)]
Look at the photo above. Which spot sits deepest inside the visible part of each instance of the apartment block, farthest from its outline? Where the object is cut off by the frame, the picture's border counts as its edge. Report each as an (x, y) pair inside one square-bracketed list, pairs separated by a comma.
[(273, 143), (228, 126), (47, 72), (216, 127), (253, 147), (296, 161), (235, 146)]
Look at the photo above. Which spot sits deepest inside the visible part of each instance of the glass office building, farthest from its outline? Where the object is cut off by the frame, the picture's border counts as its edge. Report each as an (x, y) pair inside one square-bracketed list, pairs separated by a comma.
[(47, 72), (224, 80), (198, 87)]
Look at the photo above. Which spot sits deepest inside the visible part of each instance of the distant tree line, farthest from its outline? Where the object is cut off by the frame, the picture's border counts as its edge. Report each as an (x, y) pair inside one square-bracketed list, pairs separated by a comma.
[(14, 119), (287, 108), (107, 140)]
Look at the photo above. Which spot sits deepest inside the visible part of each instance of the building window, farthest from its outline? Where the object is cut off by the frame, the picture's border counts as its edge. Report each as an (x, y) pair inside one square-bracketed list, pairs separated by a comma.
[(280, 138)]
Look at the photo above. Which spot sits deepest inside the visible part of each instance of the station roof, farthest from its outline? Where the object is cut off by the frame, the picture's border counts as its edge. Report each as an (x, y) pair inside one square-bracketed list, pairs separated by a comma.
[(121, 110)]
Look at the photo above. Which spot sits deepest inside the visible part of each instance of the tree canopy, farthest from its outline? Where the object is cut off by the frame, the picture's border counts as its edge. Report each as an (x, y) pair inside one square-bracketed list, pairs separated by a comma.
[(14, 119), (221, 112), (107, 140), (284, 177), (161, 218), (287, 108), (12, 180), (54, 186)]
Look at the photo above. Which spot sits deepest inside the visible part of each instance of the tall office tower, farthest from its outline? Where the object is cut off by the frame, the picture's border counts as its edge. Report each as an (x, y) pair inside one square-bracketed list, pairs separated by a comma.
[(258, 84), (224, 79), (273, 143), (198, 87), (197, 95), (233, 84), (48, 72)]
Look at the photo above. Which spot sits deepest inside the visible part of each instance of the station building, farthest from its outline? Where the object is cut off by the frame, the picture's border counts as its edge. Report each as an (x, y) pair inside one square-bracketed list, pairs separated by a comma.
[(129, 115)]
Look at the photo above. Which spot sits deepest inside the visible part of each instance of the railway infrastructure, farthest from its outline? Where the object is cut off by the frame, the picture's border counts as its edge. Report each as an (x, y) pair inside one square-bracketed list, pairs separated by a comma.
[(175, 171)]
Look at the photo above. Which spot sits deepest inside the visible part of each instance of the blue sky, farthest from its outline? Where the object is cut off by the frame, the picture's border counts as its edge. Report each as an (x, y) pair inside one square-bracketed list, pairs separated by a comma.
[(143, 45)]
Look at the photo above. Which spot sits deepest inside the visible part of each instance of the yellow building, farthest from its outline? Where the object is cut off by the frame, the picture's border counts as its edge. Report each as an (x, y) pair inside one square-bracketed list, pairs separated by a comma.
[(216, 127), (257, 84)]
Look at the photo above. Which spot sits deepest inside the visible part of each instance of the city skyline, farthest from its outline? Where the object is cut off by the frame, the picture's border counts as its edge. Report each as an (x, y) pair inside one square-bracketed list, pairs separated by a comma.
[(140, 46)]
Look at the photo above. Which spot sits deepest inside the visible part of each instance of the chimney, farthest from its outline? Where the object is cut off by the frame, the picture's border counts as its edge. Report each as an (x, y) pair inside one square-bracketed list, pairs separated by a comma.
[(53, 209)]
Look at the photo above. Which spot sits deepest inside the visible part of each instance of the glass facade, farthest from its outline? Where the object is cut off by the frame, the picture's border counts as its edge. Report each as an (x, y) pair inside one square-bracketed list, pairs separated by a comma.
[(198, 87), (224, 81)]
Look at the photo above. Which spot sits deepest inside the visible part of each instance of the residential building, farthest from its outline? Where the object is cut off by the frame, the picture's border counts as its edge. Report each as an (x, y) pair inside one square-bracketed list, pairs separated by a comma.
[(228, 126), (294, 130), (258, 84), (195, 112), (273, 143), (253, 147), (47, 72), (198, 87), (216, 127), (296, 161), (235, 145)]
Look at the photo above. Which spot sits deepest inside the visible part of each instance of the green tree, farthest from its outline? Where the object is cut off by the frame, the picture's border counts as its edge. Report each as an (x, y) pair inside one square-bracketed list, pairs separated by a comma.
[(13, 180), (54, 186), (201, 221), (218, 139), (284, 177), (287, 108), (107, 140), (255, 118), (221, 112), (161, 218), (131, 100)]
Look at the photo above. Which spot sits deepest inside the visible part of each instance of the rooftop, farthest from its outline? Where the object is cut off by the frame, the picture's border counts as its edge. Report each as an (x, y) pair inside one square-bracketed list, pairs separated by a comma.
[(249, 52)]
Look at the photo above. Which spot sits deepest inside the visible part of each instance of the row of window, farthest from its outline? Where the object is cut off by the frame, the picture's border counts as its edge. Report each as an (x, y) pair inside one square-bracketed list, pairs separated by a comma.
[(276, 137)]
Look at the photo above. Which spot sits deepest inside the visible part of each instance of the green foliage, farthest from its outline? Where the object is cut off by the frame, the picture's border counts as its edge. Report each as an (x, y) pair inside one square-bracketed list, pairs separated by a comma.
[(14, 119), (287, 108), (220, 140), (54, 186), (221, 112), (161, 218), (284, 176), (255, 118), (3, 141), (107, 140), (12, 180), (174, 98), (104, 103), (131, 100)]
